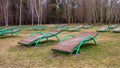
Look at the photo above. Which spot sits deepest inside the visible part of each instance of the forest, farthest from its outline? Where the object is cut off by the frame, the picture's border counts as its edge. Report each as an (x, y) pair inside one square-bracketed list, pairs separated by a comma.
[(37, 12)]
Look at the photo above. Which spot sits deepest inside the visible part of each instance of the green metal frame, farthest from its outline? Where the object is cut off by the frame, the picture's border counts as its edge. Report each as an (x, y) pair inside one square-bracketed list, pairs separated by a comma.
[(44, 36), (84, 41), (65, 37)]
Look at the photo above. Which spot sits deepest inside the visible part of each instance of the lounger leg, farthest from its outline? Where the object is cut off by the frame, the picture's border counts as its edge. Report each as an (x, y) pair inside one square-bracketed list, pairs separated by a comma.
[(94, 41), (17, 34), (36, 45), (47, 39), (57, 38), (77, 50)]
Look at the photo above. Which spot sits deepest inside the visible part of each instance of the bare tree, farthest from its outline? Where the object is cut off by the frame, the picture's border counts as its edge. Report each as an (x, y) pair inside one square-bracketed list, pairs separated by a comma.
[(5, 6), (18, 12), (20, 21)]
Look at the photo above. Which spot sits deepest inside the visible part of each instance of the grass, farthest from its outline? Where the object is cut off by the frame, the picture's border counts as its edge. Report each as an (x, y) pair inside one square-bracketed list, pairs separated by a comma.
[(106, 54)]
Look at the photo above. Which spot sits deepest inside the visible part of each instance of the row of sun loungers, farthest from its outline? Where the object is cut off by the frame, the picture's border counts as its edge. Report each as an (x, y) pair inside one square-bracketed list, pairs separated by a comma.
[(106, 28), (113, 28), (67, 28), (66, 44), (69, 45)]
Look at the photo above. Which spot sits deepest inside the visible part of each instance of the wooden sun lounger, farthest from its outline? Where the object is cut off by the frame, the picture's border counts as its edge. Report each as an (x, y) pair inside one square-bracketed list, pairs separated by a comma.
[(103, 29), (88, 26), (74, 44), (74, 29), (36, 37), (37, 28), (112, 26), (10, 31), (40, 28), (116, 30), (58, 26)]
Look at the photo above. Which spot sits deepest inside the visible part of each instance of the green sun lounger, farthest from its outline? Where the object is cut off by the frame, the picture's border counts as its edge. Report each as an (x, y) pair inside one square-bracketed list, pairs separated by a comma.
[(58, 27), (37, 28), (88, 26), (116, 30), (73, 45), (112, 26), (103, 29), (23, 27), (10, 31), (36, 37), (9, 28), (73, 29)]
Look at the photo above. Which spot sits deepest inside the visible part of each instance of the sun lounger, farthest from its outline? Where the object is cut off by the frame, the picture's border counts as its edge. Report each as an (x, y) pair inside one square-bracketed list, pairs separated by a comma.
[(10, 31), (59, 27), (88, 26), (112, 26), (74, 29), (36, 37), (73, 45), (37, 28), (103, 29), (116, 30)]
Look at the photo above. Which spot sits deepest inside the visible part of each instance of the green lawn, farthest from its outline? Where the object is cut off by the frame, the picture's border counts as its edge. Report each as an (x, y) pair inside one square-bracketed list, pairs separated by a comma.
[(106, 54)]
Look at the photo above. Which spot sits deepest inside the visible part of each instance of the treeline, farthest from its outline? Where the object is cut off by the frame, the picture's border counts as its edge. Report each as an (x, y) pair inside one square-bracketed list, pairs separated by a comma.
[(30, 12)]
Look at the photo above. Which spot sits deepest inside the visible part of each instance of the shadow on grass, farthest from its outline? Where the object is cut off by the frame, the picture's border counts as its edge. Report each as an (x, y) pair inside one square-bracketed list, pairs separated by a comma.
[(88, 45), (12, 36), (20, 47), (83, 47)]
